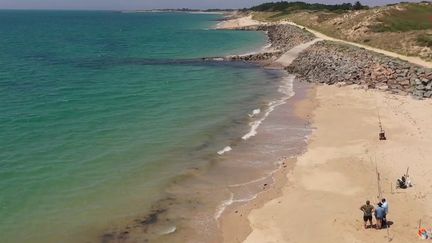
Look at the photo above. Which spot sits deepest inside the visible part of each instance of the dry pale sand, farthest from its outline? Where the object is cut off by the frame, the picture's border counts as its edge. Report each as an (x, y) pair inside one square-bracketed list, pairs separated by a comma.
[(238, 23), (320, 200)]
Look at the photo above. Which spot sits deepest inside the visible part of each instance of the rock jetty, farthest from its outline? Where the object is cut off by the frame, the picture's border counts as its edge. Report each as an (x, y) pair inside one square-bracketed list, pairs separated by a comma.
[(334, 63), (282, 38)]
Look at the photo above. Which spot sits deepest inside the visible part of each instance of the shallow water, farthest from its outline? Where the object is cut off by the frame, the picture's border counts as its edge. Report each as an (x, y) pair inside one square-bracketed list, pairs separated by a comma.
[(103, 113)]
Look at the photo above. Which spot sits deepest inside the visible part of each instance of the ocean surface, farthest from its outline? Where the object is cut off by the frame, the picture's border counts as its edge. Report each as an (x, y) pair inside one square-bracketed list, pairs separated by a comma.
[(102, 112)]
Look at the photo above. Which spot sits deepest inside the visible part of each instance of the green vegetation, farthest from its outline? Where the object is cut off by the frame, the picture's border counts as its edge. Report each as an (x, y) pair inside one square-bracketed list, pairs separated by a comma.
[(425, 40), (286, 7), (410, 17), (401, 28)]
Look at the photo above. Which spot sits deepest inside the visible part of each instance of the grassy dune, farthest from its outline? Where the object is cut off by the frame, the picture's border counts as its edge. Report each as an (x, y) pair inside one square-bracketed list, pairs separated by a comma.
[(405, 28), (412, 17)]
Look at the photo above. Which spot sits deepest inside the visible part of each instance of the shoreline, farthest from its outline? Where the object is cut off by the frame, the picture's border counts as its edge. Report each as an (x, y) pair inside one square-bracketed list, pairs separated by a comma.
[(275, 216), (234, 222), (158, 224), (337, 173), (247, 219)]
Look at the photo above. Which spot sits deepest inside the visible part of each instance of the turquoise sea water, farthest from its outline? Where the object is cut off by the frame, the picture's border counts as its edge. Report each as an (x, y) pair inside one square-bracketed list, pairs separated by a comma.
[(100, 110)]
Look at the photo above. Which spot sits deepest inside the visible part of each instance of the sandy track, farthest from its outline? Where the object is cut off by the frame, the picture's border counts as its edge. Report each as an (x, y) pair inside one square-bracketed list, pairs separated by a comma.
[(288, 57), (414, 60), (248, 21)]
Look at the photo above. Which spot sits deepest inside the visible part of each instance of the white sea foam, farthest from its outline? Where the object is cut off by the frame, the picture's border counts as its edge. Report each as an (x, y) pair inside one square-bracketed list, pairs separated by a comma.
[(263, 49), (285, 88), (267, 46), (225, 150), (250, 182), (223, 205), (221, 208), (230, 201), (169, 230), (255, 112)]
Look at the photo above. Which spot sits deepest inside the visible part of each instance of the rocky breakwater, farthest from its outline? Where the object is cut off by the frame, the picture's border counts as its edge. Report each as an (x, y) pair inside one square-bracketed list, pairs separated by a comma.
[(334, 63), (285, 36), (282, 37)]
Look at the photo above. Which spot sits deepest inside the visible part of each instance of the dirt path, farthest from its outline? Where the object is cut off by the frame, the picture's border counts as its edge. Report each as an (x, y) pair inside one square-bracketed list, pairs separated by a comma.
[(414, 60), (288, 57)]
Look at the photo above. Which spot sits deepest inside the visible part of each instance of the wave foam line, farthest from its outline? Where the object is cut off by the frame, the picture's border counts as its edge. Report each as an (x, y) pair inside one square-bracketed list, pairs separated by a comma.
[(251, 182), (255, 112), (221, 208), (285, 88), (229, 202), (225, 150)]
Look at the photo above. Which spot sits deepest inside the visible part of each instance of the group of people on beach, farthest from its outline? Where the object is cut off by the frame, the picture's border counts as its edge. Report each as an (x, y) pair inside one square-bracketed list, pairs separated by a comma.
[(380, 212)]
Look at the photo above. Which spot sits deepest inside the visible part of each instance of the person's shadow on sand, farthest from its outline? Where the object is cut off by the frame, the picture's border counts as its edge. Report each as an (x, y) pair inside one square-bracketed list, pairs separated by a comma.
[(389, 223)]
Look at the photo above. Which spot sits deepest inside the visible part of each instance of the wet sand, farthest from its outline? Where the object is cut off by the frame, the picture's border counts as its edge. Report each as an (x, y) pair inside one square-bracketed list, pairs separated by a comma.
[(234, 223), (262, 192), (196, 203), (316, 197), (320, 197)]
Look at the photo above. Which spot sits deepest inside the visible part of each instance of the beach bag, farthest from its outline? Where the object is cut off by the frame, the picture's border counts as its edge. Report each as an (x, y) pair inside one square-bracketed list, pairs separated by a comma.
[(422, 233), (425, 234)]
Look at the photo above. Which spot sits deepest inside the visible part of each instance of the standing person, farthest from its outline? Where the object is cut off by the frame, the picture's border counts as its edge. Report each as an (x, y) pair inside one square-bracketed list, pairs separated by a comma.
[(367, 210), (385, 206), (379, 215)]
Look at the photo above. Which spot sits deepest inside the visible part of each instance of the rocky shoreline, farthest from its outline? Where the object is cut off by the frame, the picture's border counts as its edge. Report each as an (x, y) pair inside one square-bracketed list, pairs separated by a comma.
[(282, 38), (331, 63)]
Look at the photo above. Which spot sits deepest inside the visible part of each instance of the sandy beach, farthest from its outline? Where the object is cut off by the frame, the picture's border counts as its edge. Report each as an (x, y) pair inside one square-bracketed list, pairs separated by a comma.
[(253, 125), (317, 196), (321, 199), (237, 23)]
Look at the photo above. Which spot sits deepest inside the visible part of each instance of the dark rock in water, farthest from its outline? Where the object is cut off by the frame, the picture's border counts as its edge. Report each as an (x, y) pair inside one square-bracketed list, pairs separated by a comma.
[(152, 218)]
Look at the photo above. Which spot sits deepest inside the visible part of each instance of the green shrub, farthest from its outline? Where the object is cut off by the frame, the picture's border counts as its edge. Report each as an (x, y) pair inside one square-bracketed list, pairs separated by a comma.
[(293, 6), (425, 40), (414, 17)]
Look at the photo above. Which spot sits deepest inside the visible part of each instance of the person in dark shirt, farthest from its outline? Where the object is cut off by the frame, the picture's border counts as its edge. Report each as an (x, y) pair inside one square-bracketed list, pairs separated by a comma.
[(367, 210)]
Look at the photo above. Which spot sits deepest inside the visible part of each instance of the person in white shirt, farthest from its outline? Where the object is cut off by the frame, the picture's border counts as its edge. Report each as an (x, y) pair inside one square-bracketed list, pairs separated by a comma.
[(385, 206)]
